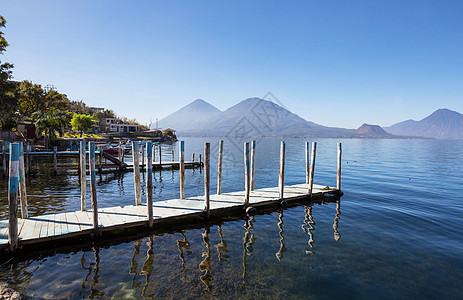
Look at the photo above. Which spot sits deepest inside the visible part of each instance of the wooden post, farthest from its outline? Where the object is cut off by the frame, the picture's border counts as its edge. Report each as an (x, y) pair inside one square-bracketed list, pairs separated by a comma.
[(149, 182), (123, 154), (26, 160), (281, 179), (219, 168), (29, 158), (181, 152), (5, 170), (246, 174), (91, 148), (307, 162), (119, 152), (312, 167), (154, 153), (173, 155), (142, 156), (253, 155), (160, 155), (200, 163), (13, 183), (207, 150), (192, 157), (55, 160), (22, 183), (338, 177), (100, 161), (136, 173), (83, 177)]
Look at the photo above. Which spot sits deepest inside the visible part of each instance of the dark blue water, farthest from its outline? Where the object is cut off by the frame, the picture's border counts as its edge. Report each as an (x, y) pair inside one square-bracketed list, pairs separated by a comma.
[(396, 233)]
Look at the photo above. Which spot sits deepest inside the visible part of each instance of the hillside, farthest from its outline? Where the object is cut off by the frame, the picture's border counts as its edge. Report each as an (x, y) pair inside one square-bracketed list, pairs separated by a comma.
[(441, 124)]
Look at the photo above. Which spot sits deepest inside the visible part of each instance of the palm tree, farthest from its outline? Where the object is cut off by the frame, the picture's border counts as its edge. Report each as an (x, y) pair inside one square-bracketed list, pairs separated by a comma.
[(49, 124)]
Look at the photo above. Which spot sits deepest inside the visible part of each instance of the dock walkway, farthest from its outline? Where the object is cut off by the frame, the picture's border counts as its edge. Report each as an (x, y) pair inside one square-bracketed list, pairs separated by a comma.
[(56, 228)]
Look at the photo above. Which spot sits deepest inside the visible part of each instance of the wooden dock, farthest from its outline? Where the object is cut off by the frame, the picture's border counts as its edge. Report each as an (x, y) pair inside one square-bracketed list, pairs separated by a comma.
[(53, 229), (57, 228)]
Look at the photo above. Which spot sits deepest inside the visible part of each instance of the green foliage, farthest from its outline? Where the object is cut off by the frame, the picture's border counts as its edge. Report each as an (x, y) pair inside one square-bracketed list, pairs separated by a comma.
[(8, 102), (168, 132), (49, 123), (82, 123), (33, 98)]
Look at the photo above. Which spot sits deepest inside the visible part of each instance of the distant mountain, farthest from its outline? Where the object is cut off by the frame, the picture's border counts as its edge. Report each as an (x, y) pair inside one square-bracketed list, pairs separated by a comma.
[(441, 124), (373, 131), (251, 117), (190, 116)]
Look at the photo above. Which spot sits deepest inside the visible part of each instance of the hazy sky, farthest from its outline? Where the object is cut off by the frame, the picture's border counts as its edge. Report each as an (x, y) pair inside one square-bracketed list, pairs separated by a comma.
[(336, 63)]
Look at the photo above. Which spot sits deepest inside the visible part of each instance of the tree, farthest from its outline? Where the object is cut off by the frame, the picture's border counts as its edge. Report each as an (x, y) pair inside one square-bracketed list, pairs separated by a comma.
[(82, 123), (33, 98), (49, 124), (8, 101)]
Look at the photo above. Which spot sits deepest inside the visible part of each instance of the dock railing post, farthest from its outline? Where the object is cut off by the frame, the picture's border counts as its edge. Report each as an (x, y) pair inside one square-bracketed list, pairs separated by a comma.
[(312, 167), (192, 157), (307, 162), (83, 176), (55, 160), (181, 167), (173, 155), (219, 168), (253, 161), (246, 174), (13, 184), (26, 160), (149, 182), (160, 155), (136, 173), (91, 148), (281, 179), (154, 154), (207, 177), (338, 177), (22, 183), (119, 152), (5, 168), (29, 158), (200, 163), (142, 156), (123, 154), (100, 161)]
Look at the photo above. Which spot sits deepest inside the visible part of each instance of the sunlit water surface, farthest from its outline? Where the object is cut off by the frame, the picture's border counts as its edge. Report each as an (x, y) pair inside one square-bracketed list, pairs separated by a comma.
[(396, 233)]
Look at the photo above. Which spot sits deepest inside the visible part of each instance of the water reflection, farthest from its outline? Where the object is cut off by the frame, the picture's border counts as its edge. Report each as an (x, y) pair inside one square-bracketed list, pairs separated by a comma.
[(309, 226), (282, 249), (337, 235), (148, 267), (134, 263), (248, 241), (205, 265), (222, 246), (184, 248), (94, 268)]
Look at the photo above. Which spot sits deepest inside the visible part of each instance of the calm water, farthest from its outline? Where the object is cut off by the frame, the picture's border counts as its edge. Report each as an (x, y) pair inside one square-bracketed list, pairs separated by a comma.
[(396, 233)]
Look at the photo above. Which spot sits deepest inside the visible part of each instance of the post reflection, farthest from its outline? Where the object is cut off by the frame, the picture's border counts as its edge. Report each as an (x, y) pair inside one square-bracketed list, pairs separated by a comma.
[(309, 227), (134, 263), (147, 267), (184, 248), (205, 265), (222, 247), (282, 249), (94, 268), (248, 241), (337, 235)]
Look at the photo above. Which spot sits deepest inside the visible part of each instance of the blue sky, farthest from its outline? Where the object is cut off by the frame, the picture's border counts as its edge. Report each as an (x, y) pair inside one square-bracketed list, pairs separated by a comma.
[(336, 63)]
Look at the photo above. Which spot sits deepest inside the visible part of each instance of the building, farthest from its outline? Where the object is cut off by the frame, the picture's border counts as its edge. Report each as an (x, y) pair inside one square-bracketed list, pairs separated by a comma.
[(124, 128)]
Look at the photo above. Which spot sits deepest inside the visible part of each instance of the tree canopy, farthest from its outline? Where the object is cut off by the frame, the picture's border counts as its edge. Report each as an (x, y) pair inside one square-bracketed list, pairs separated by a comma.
[(8, 102), (82, 123)]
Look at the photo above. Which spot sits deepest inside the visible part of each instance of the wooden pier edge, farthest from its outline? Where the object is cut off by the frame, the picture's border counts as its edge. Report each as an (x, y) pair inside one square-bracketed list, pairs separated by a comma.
[(124, 232)]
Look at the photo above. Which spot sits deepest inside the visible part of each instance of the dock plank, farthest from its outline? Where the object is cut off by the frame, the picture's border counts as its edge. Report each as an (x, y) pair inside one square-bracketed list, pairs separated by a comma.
[(54, 226)]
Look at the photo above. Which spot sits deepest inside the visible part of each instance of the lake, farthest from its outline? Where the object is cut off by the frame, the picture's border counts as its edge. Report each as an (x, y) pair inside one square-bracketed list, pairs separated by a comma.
[(396, 233)]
